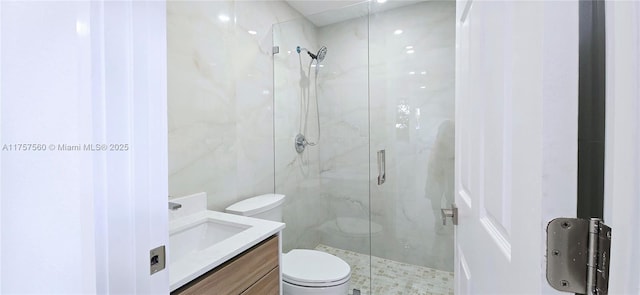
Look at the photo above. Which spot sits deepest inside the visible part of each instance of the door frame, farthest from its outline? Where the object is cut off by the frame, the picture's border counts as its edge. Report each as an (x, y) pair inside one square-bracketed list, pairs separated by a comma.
[(131, 191), (622, 144)]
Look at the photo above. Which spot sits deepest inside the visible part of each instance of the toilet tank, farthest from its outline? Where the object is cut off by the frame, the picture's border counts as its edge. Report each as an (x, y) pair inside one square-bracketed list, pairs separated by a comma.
[(268, 206)]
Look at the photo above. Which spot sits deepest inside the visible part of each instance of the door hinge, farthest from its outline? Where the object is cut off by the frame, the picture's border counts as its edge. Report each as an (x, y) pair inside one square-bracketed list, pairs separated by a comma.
[(578, 252)]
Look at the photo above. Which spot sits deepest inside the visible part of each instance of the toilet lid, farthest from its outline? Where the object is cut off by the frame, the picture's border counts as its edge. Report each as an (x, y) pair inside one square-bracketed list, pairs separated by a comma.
[(314, 268)]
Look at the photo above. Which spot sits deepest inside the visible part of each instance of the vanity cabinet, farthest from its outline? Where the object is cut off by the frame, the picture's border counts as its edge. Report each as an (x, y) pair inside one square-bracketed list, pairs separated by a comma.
[(254, 271)]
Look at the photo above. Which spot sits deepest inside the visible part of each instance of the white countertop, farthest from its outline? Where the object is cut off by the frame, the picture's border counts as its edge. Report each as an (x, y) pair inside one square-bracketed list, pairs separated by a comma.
[(198, 263)]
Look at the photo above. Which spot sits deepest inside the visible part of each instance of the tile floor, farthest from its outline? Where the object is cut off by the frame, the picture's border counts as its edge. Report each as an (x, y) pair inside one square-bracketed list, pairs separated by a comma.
[(392, 277)]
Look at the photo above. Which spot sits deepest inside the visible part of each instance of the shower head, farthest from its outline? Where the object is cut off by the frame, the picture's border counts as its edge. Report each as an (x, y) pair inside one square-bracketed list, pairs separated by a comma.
[(319, 56), (321, 53)]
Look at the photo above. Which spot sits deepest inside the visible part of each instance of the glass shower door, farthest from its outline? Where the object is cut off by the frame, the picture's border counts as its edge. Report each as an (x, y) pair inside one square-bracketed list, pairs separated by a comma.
[(411, 62), (386, 83)]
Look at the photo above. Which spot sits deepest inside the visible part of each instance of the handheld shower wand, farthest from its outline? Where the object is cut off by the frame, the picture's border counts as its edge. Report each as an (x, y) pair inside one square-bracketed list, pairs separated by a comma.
[(301, 141)]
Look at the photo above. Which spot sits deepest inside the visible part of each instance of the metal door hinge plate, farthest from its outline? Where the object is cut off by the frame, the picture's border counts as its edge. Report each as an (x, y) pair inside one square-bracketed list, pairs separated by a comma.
[(578, 255)]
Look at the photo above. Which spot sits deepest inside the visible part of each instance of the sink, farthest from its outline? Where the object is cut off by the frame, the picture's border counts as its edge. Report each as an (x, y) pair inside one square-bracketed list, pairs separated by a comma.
[(200, 235), (201, 240)]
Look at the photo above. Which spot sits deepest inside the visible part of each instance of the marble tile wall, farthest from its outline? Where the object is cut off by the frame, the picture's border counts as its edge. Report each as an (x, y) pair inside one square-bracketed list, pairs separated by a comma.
[(297, 175), (344, 151), (220, 97), (232, 121)]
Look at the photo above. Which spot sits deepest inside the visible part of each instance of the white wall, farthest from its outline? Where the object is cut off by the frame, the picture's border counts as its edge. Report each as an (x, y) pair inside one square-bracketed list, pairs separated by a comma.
[(47, 204)]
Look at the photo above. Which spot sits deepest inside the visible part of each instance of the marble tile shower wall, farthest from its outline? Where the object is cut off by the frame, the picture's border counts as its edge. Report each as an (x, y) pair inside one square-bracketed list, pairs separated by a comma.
[(220, 87), (296, 175), (225, 100), (344, 150)]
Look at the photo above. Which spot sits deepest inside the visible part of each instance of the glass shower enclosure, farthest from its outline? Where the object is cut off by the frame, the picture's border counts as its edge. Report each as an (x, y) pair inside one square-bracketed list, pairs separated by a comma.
[(384, 83)]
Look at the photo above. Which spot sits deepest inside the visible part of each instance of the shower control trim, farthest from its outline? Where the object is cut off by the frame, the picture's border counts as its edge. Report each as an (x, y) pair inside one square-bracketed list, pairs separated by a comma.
[(382, 173), (300, 143)]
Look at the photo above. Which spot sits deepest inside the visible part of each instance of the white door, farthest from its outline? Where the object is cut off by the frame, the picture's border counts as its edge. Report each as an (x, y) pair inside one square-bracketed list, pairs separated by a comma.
[(516, 139), (622, 166), (130, 109)]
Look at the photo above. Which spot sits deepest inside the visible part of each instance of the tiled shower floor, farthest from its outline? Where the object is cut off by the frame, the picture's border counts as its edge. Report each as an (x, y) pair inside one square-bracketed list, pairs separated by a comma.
[(392, 277)]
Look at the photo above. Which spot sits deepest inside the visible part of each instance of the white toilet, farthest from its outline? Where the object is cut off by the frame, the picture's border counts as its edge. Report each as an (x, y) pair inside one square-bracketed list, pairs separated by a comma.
[(303, 271)]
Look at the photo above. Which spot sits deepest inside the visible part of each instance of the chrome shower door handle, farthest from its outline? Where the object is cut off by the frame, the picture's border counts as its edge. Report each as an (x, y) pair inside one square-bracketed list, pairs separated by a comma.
[(382, 173)]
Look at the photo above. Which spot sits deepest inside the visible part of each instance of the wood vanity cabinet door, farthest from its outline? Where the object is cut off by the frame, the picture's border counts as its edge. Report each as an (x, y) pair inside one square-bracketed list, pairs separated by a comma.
[(268, 285), (237, 275)]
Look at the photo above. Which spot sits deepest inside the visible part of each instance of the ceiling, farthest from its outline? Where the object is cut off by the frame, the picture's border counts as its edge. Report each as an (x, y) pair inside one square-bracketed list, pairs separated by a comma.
[(322, 13)]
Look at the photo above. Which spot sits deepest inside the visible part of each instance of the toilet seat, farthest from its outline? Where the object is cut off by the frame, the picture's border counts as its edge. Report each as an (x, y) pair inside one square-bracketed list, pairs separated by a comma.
[(311, 268)]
